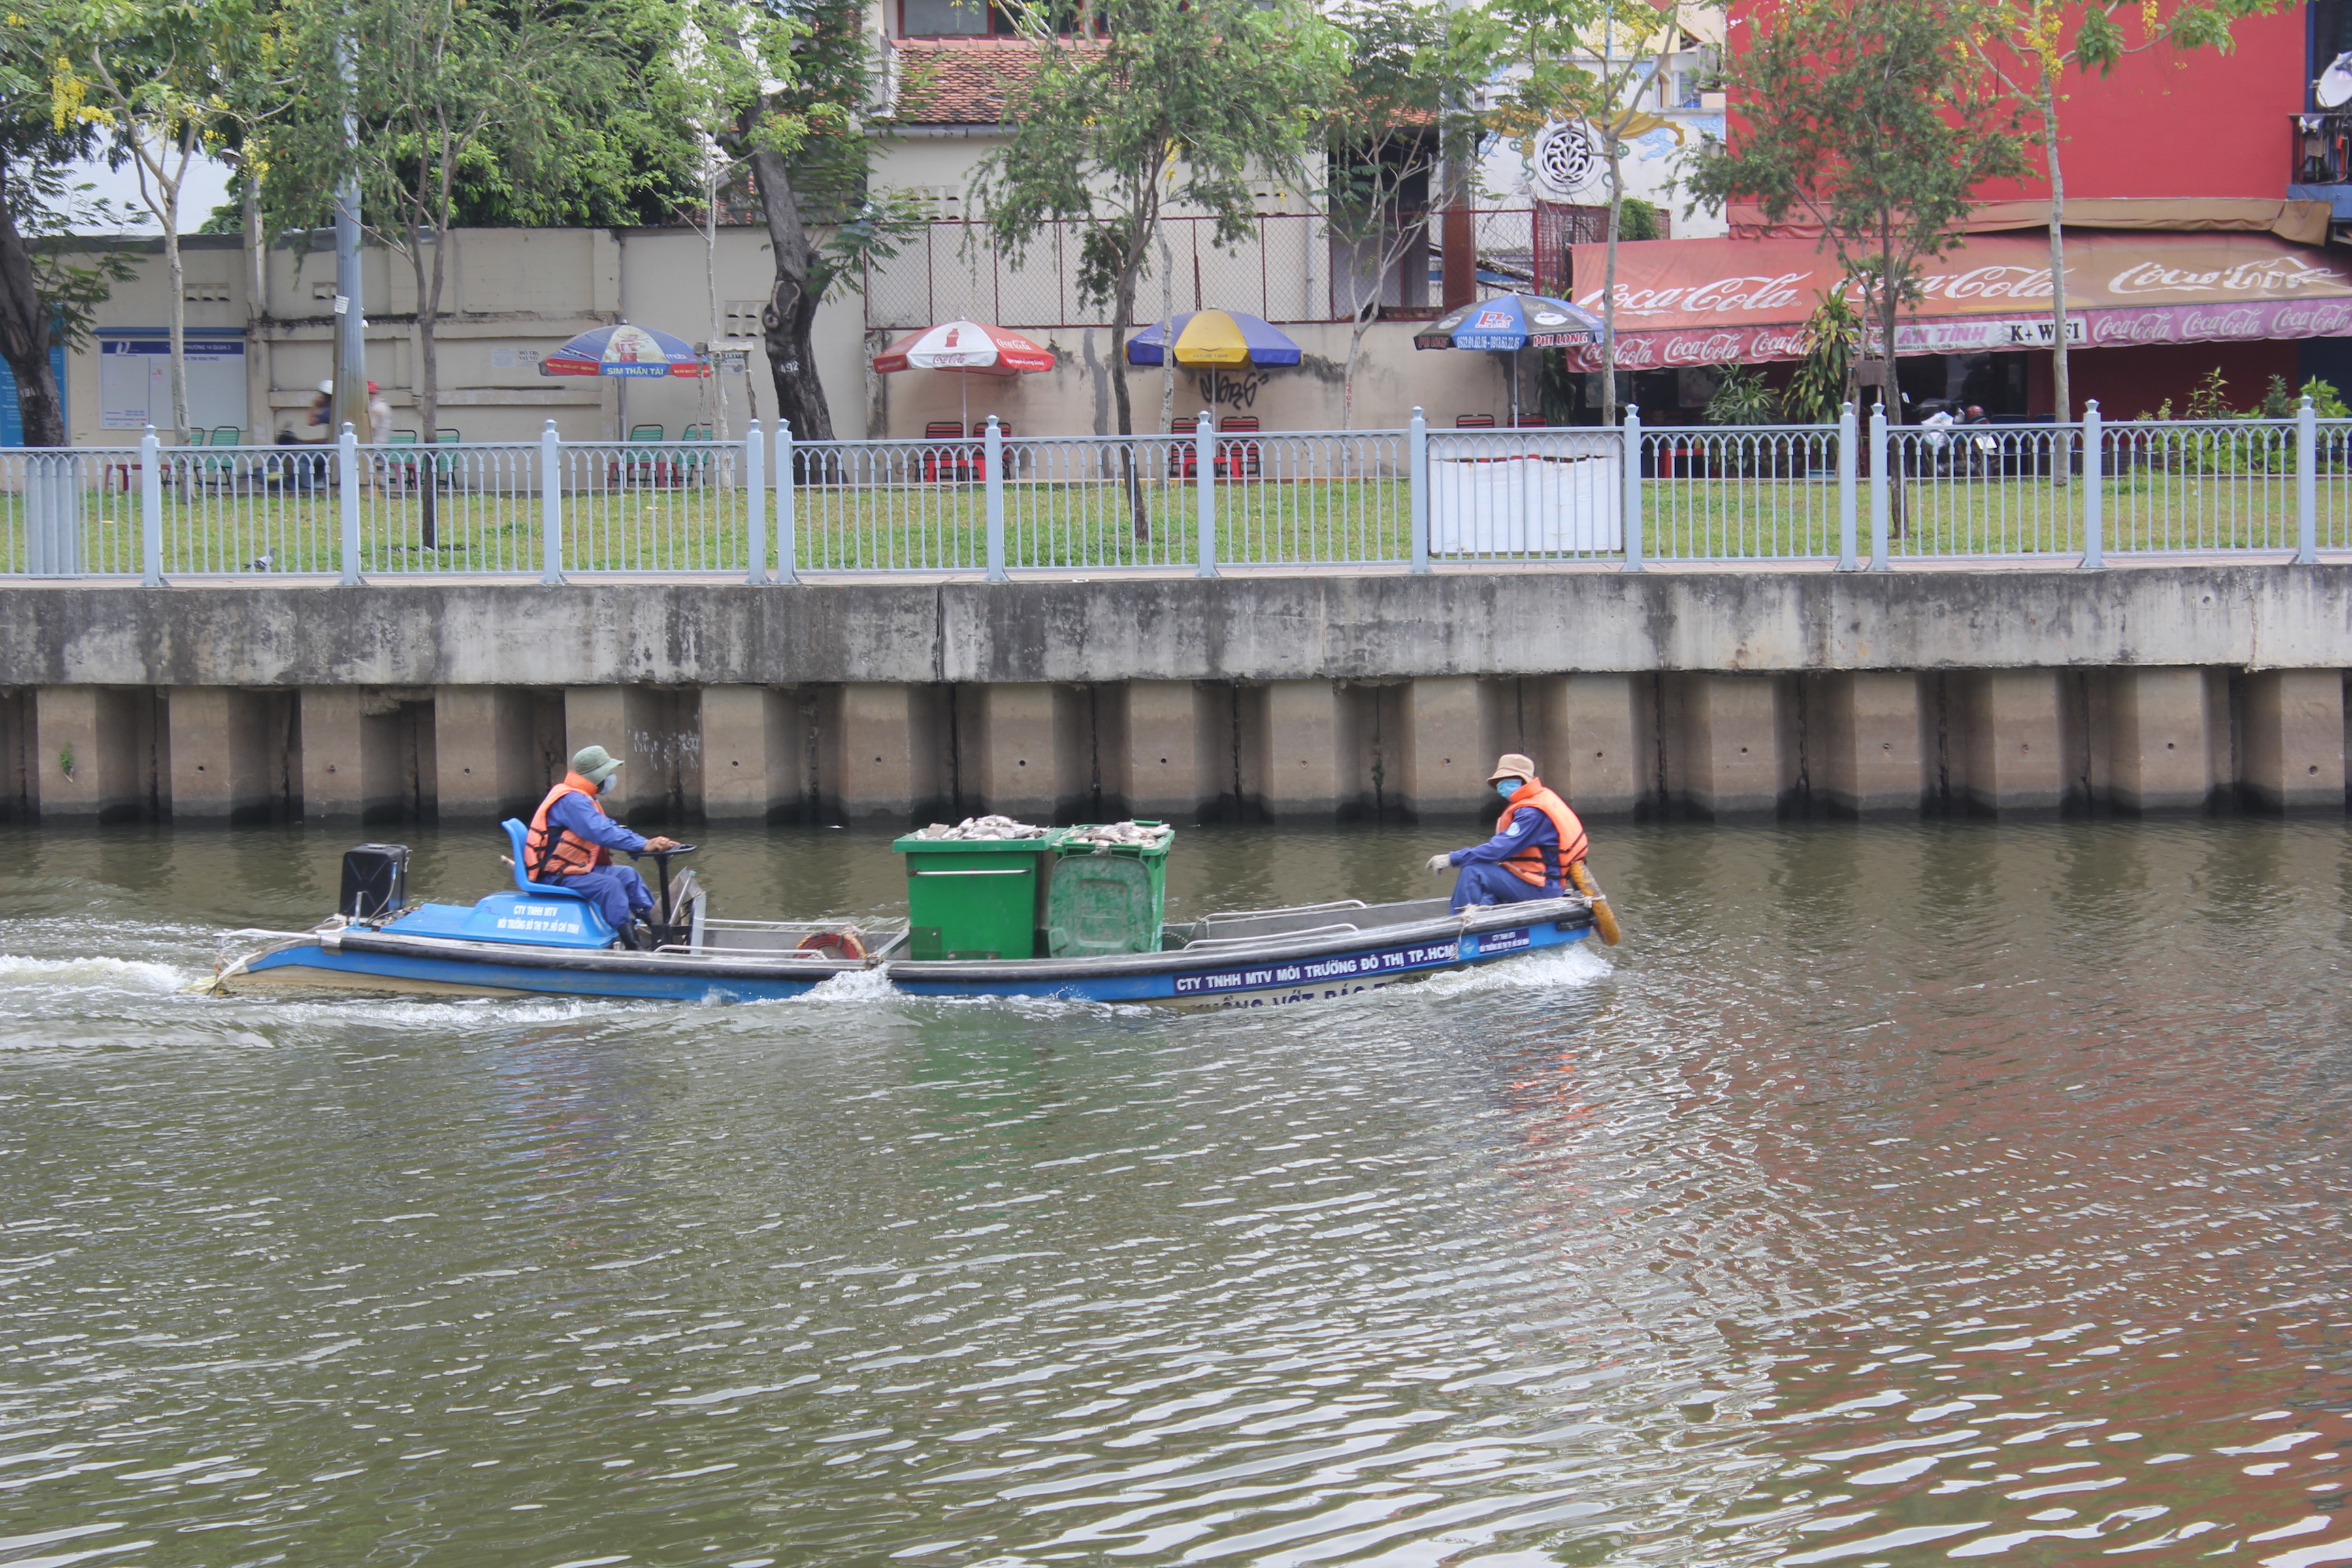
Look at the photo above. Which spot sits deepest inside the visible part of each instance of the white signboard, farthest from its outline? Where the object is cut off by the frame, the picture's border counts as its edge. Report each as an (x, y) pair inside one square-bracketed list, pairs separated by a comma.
[(135, 382), (1529, 503)]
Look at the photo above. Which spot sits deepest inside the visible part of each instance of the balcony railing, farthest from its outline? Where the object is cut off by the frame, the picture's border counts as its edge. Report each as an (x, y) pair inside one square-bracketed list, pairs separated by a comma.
[(2323, 154)]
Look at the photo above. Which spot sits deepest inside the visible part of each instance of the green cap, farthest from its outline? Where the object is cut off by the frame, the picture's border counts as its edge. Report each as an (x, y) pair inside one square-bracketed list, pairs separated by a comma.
[(595, 763)]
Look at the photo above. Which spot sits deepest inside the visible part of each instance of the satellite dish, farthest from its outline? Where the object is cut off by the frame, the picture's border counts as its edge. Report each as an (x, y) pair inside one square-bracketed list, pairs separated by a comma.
[(2334, 88)]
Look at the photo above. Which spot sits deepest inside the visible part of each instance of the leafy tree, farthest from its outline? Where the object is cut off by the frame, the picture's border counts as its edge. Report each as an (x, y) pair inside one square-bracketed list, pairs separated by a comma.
[(1183, 104), (443, 91), (48, 292), (1588, 62), (162, 77), (786, 88), (1412, 68), (1823, 384), (1741, 397), (1869, 118), (2029, 45)]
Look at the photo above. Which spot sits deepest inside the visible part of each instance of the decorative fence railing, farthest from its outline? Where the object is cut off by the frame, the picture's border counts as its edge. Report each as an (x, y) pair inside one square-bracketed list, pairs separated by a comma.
[(770, 509)]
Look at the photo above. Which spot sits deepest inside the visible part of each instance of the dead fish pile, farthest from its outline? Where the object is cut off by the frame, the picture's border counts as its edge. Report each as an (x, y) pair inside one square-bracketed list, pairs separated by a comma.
[(981, 828), (1120, 832)]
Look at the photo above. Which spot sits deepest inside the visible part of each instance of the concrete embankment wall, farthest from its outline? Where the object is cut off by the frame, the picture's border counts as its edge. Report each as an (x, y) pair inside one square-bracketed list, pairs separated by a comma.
[(2147, 689)]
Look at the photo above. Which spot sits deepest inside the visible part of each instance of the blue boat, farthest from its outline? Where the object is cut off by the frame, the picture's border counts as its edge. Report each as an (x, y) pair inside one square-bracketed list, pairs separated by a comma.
[(547, 941)]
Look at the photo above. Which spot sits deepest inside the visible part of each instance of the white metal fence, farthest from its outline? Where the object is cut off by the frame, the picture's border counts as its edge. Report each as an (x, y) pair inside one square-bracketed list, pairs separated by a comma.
[(770, 509)]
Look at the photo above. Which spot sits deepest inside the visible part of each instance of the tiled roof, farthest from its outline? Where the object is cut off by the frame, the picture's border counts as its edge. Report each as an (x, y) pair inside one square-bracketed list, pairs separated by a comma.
[(961, 81)]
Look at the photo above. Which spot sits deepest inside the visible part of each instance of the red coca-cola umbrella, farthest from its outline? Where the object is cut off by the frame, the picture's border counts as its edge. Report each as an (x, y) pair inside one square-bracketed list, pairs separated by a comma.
[(969, 348)]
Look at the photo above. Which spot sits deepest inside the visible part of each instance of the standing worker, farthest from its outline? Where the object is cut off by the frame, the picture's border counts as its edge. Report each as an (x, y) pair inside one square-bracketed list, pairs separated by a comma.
[(571, 840), (1537, 850)]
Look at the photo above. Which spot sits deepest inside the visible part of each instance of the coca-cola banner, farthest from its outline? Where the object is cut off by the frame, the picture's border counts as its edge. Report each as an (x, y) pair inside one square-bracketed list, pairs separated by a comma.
[(1716, 302)]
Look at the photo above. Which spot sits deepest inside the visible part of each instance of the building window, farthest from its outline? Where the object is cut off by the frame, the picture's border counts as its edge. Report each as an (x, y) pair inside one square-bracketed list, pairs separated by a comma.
[(2331, 35), (980, 18), (945, 18)]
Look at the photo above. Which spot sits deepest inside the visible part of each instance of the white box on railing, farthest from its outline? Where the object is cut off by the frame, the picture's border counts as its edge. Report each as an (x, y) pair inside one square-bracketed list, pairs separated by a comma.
[(1527, 504)]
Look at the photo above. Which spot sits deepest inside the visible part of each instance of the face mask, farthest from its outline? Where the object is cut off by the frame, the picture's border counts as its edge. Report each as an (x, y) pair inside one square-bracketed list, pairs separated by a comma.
[(1507, 788)]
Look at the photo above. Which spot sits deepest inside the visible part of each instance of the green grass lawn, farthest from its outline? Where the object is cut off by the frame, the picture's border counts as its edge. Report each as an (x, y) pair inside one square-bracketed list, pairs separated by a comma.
[(1094, 524)]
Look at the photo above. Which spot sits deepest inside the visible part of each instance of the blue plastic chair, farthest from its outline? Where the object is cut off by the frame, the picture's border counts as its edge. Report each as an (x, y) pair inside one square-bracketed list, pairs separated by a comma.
[(518, 835)]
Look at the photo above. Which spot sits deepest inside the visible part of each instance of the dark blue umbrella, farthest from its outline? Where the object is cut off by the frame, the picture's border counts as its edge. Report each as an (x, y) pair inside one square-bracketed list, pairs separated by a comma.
[(1510, 322)]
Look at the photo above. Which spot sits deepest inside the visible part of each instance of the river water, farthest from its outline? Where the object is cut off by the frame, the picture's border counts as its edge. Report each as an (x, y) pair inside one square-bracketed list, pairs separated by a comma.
[(1894, 1195)]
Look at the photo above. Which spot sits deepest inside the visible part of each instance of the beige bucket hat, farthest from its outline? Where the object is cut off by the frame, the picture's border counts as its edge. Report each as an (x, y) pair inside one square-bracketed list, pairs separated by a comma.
[(1513, 765)]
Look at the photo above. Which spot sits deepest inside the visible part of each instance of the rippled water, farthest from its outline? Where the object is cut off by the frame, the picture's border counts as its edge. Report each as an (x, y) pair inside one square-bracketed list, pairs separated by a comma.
[(1895, 1195)]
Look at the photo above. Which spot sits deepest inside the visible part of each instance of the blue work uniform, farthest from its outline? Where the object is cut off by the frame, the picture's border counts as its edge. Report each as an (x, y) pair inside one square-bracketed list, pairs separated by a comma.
[(620, 893), (1485, 881)]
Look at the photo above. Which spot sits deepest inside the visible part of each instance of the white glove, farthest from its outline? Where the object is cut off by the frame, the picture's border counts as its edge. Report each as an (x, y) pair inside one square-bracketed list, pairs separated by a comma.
[(1441, 863)]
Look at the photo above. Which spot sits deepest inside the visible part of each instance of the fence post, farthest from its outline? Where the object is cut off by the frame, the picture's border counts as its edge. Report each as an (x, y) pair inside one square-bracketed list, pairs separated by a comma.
[(1849, 511), (1632, 453), (992, 454), (1878, 496), (2306, 485), (551, 507), (1416, 464), (786, 499), (755, 500), (151, 515), (347, 487), (1204, 478), (2094, 499)]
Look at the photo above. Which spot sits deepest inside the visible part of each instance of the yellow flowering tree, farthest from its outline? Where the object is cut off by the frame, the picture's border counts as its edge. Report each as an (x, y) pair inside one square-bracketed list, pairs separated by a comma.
[(2030, 46), (161, 79)]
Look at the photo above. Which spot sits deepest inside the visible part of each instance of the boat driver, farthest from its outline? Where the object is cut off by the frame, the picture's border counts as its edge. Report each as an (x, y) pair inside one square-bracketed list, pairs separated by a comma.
[(572, 842), (1536, 839)]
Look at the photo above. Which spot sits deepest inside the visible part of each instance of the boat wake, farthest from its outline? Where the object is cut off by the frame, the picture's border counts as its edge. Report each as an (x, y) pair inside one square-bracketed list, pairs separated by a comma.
[(1572, 967), (88, 974)]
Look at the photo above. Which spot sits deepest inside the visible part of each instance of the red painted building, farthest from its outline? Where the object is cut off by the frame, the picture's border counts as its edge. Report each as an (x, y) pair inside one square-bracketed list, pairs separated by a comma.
[(2163, 129)]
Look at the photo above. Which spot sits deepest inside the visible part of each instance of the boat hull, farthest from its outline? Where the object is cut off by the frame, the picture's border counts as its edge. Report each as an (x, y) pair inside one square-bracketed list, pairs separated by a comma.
[(1274, 969), (1255, 980), (317, 966)]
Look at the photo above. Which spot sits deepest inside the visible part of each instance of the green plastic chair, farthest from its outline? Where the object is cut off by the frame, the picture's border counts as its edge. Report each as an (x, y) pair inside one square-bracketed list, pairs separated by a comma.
[(690, 465), (218, 470), (636, 470)]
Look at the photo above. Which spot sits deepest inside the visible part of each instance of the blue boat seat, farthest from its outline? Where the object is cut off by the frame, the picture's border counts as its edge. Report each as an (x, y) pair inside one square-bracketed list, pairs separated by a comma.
[(518, 834)]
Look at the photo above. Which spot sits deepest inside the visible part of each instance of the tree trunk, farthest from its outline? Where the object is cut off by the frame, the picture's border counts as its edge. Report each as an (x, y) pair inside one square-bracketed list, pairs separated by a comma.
[(24, 334), (257, 254), (1167, 350), (1890, 393), (787, 323), (428, 383), (2066, 398), (1357, 324), (1122, 320), (1609, 288), (179, 316), (714, 384)]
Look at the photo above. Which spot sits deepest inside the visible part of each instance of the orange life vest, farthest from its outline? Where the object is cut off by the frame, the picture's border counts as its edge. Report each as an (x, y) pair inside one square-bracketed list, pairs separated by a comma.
[(1539, 863), (569, 854)]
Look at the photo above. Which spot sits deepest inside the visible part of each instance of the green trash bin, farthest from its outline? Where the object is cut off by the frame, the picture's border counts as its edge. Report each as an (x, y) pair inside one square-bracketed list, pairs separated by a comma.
[(981, 898), (1105, 898)]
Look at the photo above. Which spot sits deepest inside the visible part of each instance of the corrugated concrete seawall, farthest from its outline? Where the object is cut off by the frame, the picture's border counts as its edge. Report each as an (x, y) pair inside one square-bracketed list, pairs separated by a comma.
[(2187, 686)]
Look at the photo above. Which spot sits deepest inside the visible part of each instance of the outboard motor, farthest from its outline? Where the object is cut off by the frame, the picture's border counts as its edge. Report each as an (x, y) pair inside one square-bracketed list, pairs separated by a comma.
[(375, 881)]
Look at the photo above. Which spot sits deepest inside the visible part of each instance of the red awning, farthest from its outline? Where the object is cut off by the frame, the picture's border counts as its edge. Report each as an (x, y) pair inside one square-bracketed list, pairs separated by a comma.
[(1718, 301)]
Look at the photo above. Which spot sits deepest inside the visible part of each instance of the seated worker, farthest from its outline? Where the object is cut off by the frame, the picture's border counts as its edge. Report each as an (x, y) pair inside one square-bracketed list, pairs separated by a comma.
[(1536, 839), (571, 840)]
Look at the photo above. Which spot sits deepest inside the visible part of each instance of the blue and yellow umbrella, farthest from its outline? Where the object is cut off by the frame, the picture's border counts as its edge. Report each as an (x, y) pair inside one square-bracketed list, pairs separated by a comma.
[(1215, 339)]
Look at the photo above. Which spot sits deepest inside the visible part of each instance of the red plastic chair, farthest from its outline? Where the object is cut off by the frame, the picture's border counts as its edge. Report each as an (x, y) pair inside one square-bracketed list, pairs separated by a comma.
[(1239, 459), (1473, 422), (980, 448), (1184, 453), (950, 462)]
